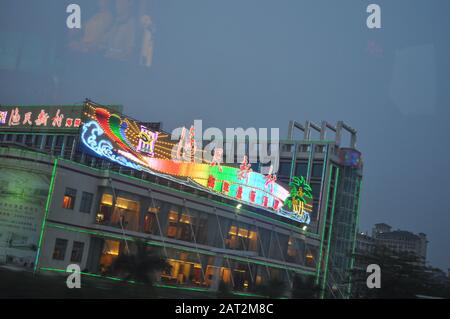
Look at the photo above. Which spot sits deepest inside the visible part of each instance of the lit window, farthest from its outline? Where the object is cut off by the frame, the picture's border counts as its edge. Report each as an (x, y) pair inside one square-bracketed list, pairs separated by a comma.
[(69, 198), (150, 219), (111, 249), (107, 199)]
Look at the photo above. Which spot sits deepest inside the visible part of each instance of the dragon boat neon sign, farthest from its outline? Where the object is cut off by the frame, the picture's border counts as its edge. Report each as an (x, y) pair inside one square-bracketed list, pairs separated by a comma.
[(128, 143)]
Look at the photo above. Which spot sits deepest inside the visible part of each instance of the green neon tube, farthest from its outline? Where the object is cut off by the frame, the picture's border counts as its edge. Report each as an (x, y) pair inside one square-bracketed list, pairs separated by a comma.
[(44, 219)]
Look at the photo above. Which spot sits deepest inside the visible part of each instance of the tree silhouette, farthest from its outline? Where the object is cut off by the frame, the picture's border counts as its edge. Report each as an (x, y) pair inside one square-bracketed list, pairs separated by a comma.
[(274, 288), (139, 266), (304, 288), (403, 275)]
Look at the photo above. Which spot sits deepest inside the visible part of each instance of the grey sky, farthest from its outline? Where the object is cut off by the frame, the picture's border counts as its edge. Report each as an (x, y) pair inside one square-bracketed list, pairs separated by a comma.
[(262, 63)]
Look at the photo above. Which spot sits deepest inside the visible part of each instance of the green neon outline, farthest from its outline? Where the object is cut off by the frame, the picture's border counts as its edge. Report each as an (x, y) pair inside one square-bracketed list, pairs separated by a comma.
[(156, 284), (44, 219), (352, 260), (329, 233)]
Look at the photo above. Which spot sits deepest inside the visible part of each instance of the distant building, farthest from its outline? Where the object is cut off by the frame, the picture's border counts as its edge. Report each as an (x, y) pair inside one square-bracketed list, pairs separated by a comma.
[(365, 244), (400, 240), (396, 240)]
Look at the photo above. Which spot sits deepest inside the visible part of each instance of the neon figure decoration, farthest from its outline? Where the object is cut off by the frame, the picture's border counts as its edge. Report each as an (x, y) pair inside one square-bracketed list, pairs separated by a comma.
[(300, 196), (128, 143)]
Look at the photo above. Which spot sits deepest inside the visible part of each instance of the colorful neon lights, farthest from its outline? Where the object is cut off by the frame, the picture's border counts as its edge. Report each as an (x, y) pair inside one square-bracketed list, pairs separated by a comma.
[(130, 144), (299, 196), (3, 117)]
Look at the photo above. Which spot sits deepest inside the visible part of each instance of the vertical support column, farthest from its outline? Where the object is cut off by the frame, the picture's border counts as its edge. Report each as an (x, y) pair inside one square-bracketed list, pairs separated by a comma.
[(322, 181), (294, 161), (330, 231), (63, 146), (352, 261), (218, 262), (322, 227)]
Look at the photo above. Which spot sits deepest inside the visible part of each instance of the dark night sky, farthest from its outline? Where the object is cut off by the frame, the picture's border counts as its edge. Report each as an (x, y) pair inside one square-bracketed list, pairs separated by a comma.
[(258, 63)]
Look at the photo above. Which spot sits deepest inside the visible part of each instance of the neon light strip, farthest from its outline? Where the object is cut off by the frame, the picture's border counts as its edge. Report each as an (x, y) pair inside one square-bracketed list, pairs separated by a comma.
[(44, 219), (156, 284)]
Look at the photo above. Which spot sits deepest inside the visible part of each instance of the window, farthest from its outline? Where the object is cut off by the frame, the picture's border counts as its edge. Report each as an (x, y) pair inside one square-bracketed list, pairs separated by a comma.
[(105, 211), (69, 198), (286, 148), (285, 169), (86, 202), (315, 186), (29, 140), (111, 250), (77, 252), (173, 221), (59, 141), (292, 250), (317, 170), (242, 239), (201, 232), (301, 169), (59, 252), (38, 141), (183, 225), (310, 256), (125, 213), (69, 142), (19, 138), (150, 219), (49, 141)]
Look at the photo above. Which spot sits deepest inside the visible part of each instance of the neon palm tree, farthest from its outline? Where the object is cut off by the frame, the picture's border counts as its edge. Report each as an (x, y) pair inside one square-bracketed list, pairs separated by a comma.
[(301, 194)]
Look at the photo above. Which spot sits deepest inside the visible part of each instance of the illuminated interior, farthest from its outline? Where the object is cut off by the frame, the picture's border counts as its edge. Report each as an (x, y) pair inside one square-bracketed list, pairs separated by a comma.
[(125, 212), (68, 202), (242, 239), (111, 249)]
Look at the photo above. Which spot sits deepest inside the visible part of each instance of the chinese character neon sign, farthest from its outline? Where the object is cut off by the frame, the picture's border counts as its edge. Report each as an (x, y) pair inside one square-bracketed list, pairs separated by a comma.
[(126, 142), (50, 117)]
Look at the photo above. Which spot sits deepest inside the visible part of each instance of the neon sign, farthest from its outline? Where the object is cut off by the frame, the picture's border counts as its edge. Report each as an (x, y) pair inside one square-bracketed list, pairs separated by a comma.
[(299, 197), (3, 116), (41, 117), (128, 143)]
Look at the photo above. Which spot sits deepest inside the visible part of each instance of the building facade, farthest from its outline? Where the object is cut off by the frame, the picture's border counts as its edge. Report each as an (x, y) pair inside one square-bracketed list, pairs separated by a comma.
[(401, 240), (397, 241), (61, 204)]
